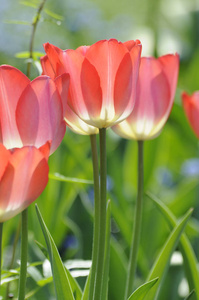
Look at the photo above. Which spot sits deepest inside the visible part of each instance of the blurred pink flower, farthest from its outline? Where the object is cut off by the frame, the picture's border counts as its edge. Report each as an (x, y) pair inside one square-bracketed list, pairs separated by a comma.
[(191, 108)]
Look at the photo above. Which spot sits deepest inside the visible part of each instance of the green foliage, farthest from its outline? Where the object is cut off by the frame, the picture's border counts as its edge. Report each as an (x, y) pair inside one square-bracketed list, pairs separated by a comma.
[(162, 262), (61, 280), (143, 290), (190, 261)]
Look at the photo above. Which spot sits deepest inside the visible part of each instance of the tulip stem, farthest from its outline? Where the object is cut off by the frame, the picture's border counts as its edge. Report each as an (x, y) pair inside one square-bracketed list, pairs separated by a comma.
[(24, 255), (34, 27), (96, 224), (1, 234), (137, 225), (99, 281), (13, 256)]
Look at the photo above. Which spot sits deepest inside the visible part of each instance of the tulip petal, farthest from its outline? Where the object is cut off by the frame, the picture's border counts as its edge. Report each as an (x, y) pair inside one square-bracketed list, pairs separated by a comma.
[(91, 90), (12, 84), (47, 67), (170, 65), (71, 119), (123, 86), (62, 84), (4, 159), (24, 179), (191, 108), (45, 149), (53, 54), (39, 114), (106, 57)]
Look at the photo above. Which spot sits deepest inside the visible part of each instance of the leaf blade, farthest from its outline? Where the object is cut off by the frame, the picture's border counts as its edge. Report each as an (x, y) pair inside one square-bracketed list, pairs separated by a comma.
[(62, 285), (161, 264), (188, 254), (143, 290)]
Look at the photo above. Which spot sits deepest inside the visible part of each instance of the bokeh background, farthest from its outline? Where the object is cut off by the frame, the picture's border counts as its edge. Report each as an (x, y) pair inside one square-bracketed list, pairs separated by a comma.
[(171, 160)]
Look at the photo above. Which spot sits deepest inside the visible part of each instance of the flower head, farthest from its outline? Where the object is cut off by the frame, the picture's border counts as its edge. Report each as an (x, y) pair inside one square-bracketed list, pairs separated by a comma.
[(103, 79), (155, 94), (31, 113), (23, 177)]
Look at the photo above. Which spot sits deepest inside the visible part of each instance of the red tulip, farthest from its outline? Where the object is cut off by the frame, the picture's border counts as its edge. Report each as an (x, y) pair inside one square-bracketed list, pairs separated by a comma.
[(23, 177), (31, 113), (155, 94), (103, 79), (191, 108)]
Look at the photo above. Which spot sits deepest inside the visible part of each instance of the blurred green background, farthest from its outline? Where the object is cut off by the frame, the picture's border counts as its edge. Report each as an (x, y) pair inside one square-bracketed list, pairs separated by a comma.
[(171, 160)]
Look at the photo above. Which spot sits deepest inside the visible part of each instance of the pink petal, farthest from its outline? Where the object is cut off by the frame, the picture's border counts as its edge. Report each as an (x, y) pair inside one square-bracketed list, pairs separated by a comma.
[(39, 114), (62, 84), (47, 67), (71, 119), (131, 44), (191, 108), (106, 57), (4, 159), (53, 54), (23, 181), (91, 89), (45, 149), (12, 84), (170, 66), (123, 86)]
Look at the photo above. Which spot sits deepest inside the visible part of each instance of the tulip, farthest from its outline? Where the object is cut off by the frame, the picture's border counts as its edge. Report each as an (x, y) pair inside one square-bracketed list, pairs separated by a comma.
[(31, 113), (191, 108), (155, 94), (103, 79), (154, 99), (23, 177)]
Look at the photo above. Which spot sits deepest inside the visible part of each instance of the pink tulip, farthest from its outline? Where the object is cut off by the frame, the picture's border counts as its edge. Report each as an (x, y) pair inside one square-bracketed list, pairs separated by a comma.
[(103, 79), (31, 113), (191, 108), (23, 177), (155, 95)]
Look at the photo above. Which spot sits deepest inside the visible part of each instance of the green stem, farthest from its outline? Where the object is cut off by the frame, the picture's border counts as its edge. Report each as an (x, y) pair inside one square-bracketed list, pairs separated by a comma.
[(1, 234), (34, 27), (24, 255), (102, 231), (13, 256), (96, 214), (137, 225)]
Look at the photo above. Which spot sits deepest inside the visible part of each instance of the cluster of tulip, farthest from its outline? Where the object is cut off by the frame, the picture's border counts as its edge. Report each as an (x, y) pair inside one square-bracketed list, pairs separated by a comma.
[(107, 84)]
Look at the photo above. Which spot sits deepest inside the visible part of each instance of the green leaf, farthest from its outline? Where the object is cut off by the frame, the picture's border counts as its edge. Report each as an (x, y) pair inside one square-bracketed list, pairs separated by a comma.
[(53, 15), (17, 22), (74, 286), (190, 295), (28, 3), (189, 258), (62, 285), (118, 269), (59, 177), (42, 248), (86, 288), (26, 54), (162, 262), (107, 252), (143, 290)]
